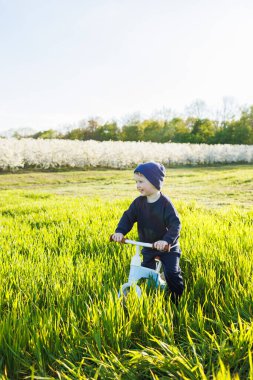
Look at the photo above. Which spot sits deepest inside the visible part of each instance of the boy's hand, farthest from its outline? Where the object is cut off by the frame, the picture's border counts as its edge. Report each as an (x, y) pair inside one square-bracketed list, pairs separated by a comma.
[(162, 245), (118, 236)]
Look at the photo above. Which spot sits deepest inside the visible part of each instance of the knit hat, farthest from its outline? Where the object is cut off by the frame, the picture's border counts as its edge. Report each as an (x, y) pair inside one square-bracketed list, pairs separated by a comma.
[(153, 171)]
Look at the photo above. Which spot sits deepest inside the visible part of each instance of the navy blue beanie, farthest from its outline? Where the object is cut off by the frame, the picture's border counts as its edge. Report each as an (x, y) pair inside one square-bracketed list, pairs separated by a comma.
[(153, 171)]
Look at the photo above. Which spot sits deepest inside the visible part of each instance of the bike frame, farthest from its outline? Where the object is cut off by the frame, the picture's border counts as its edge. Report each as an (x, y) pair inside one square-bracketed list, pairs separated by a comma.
[(138, 272)]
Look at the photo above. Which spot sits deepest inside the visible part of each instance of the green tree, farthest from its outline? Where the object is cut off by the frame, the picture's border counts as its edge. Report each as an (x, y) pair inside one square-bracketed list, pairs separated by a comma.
[(237, 131), (182, 132), (152, 130), (203, 131), (76, 134), (86, 131), (175, 130), (49, 134), (246, 122), (132, 132), (108, 131)]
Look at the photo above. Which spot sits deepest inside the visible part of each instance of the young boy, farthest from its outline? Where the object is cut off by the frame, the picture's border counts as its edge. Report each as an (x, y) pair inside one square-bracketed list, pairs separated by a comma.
[(157, 222)]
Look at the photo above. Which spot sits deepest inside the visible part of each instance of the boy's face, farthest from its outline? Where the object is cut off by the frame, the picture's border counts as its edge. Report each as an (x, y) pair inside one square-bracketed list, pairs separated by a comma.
[(144, 186)]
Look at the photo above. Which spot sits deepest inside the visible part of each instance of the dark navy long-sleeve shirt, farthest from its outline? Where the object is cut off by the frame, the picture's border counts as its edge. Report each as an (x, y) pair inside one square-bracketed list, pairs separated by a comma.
[(155, 221)]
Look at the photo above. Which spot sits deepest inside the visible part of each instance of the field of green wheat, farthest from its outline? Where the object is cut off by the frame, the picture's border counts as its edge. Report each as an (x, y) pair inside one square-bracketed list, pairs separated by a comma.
[(60, 315)]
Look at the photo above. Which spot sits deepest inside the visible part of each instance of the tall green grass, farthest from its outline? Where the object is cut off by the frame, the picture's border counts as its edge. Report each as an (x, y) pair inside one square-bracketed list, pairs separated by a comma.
[(60, 316)]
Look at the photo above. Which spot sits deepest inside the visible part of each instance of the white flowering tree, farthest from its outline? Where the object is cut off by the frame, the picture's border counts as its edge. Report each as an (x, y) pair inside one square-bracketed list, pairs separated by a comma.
[(46, 154)]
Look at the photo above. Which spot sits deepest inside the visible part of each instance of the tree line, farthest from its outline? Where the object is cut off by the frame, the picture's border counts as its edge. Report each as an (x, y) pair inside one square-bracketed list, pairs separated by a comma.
[(194, 130)]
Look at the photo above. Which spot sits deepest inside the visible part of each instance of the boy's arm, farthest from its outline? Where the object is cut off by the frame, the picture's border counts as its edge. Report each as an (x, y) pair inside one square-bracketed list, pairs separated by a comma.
[(127, 220), (173, 224)]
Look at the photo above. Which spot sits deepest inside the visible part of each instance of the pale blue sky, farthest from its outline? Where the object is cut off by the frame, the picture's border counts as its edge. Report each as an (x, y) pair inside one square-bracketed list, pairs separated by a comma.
[(67, 60)]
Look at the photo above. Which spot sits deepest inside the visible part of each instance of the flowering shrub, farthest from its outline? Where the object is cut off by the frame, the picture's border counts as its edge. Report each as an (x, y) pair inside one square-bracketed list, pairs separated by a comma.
[(55, 153)]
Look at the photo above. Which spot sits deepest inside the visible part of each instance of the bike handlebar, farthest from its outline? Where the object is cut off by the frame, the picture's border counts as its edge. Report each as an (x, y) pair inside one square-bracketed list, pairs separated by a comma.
[(141, 244)]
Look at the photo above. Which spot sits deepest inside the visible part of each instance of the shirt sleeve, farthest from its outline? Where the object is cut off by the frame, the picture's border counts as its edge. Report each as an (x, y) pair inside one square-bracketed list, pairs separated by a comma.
[(127, 220), (173, 225)]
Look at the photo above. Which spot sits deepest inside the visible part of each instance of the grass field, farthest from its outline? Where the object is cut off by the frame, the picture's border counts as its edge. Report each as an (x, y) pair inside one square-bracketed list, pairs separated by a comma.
[(60, 316), (211, 186)]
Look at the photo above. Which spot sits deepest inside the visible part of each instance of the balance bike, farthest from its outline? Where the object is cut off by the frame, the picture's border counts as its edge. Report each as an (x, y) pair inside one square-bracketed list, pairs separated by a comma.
[(138, 272)]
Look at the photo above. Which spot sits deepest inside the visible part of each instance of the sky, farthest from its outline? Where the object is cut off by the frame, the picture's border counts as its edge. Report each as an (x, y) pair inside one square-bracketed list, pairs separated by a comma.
[(63, 61)]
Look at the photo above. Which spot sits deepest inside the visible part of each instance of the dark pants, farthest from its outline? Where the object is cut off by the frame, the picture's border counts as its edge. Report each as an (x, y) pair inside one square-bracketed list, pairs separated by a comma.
[(171, 268)]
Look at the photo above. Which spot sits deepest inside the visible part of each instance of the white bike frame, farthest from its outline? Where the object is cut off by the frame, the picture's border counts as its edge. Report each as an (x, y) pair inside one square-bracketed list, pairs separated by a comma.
[(137, 271)]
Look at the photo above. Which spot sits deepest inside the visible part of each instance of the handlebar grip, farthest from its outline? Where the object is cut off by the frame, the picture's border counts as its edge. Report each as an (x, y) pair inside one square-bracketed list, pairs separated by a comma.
[(166, 248), (122, 241)]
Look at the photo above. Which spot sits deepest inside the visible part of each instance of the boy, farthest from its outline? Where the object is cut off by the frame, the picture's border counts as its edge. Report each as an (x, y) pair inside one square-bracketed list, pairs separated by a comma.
[(157, 222)]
